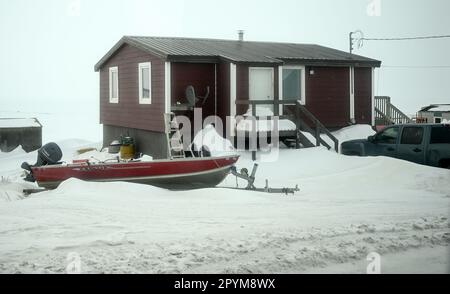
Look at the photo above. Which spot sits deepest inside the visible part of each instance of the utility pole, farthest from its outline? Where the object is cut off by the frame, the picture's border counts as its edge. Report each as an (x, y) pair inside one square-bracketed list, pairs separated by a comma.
[(350, 38)]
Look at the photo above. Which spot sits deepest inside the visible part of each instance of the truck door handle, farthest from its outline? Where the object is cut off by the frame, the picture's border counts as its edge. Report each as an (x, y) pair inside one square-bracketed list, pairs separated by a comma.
[(390, 149), (417, 150)]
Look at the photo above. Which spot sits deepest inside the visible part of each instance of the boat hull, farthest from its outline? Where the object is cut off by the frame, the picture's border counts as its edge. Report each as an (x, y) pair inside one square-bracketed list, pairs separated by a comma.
[(181, 174)]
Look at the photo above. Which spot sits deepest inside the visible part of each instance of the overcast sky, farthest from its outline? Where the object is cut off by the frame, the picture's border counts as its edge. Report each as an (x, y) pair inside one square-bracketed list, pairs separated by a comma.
[(49, 47)]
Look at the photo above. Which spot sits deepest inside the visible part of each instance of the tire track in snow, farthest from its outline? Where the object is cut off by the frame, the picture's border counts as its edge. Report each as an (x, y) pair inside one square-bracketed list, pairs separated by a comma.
[(276, 252)]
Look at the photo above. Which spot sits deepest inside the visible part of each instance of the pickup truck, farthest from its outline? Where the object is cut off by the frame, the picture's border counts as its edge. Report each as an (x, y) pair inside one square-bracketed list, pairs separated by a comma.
[(427, 144)]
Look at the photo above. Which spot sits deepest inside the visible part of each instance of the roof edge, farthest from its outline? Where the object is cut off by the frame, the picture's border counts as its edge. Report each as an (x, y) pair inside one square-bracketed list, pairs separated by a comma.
[(126, 40)]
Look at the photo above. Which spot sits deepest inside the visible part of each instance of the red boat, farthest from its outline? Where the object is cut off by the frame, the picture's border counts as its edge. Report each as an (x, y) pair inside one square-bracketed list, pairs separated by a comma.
[(185, 173)]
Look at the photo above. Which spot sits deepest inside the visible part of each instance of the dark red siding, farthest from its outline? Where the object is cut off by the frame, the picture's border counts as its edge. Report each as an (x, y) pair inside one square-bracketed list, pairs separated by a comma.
[(328, 95), (223, 90), (363, 95), (128, 112)]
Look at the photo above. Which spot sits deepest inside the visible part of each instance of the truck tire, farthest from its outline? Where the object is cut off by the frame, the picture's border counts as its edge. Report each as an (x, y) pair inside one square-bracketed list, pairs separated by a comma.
[(445, 163)]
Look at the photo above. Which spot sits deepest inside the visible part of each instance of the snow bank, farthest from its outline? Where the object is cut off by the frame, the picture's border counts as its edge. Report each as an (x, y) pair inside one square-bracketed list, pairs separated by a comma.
[(10, 191), (353, 133), (345, 134), (347, 207), (216, 144)]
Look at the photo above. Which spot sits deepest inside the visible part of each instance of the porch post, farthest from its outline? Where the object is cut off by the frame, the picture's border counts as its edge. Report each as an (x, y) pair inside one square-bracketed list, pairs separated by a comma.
[(232, 97), (280, 88), (352, 94), (167, 88), (373, 96)]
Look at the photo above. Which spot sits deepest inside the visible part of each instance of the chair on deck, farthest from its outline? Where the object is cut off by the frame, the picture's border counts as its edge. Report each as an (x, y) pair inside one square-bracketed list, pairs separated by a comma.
[(193, 99)]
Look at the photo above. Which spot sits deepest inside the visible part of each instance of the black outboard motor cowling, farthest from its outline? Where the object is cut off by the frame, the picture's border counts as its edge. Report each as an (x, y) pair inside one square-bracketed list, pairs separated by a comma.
[(49, 154)]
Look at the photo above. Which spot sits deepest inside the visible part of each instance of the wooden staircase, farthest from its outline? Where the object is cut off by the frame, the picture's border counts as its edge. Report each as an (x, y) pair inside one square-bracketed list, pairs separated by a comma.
[(387, 113), (305, 122)]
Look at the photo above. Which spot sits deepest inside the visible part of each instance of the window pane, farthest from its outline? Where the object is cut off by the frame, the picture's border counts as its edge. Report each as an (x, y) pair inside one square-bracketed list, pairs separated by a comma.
[(388, 136), (292, 83), (114, 93), (145, 82), (412, 135), (440, 135)]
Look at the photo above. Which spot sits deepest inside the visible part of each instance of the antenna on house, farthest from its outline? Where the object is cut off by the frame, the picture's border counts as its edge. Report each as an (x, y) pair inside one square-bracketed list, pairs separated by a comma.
[(358, 39), (241, 35)]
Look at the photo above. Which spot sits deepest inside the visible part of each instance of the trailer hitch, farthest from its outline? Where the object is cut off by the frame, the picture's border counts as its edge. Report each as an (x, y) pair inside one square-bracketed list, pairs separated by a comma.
[(250, 178)]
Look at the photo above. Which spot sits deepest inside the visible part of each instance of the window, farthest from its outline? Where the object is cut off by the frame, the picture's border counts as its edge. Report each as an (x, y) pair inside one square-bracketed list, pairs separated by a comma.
[(412, 136), (440, 135), (145, 83), (438, 120), (294, 83), (388, 136), (113, 85)]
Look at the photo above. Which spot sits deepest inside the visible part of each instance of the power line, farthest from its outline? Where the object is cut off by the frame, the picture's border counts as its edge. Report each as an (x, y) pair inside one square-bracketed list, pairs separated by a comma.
[(407, 38), (416, 66), (358, 37)]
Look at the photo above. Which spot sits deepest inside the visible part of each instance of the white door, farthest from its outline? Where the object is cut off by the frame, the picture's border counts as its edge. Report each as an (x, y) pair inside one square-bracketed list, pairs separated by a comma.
[(261, 87)]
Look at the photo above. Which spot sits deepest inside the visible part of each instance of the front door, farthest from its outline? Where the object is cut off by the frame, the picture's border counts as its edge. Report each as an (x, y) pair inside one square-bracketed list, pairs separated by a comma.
[(261, 88)]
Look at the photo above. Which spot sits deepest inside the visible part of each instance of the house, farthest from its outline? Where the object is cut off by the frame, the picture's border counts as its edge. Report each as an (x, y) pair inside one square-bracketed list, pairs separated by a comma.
[(434, 113), (26, 132), (141, 78)]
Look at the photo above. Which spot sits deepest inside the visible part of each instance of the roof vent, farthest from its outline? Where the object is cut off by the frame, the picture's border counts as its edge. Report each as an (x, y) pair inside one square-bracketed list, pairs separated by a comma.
[(241, 35)]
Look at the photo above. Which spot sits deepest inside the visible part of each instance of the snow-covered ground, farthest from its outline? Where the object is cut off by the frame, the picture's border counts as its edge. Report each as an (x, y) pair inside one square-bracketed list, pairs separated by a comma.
[(347, 207)]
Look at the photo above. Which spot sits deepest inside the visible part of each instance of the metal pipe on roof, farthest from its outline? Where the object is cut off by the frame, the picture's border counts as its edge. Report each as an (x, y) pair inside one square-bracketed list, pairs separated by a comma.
[(241, 35)]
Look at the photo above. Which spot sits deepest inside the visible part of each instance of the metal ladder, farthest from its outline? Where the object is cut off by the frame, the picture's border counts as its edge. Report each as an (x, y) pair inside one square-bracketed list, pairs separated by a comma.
[(174, 137)]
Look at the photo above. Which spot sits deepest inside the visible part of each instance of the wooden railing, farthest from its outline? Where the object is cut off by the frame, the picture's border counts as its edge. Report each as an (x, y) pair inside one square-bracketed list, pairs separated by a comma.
[(297, 115), (387, 114)]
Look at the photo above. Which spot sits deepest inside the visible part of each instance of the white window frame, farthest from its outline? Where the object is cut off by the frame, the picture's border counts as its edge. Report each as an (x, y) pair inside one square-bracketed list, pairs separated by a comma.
[(112, 99), (302, 69), (141, 66)]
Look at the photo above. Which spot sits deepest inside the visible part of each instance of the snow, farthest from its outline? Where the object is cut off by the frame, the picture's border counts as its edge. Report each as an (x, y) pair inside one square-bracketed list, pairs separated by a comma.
[(347, 207), (19, 123), (102, 155), (441, 107), (263, 125), (216, 144), (353, 132)]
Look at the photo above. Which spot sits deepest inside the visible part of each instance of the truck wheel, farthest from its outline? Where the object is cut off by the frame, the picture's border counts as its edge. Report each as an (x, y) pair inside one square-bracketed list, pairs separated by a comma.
[(445, 163)]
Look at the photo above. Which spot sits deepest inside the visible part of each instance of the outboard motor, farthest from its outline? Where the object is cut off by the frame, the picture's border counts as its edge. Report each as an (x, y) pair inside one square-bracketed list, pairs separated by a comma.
[(49, 154)]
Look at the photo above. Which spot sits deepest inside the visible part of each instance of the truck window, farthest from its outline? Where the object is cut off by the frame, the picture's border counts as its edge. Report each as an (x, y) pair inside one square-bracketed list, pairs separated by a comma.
[(388, 136), (440, 135), (412, 136)]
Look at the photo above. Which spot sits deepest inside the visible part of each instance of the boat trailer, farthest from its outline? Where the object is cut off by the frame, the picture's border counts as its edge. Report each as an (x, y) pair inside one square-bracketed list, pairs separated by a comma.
[(250, 178)]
